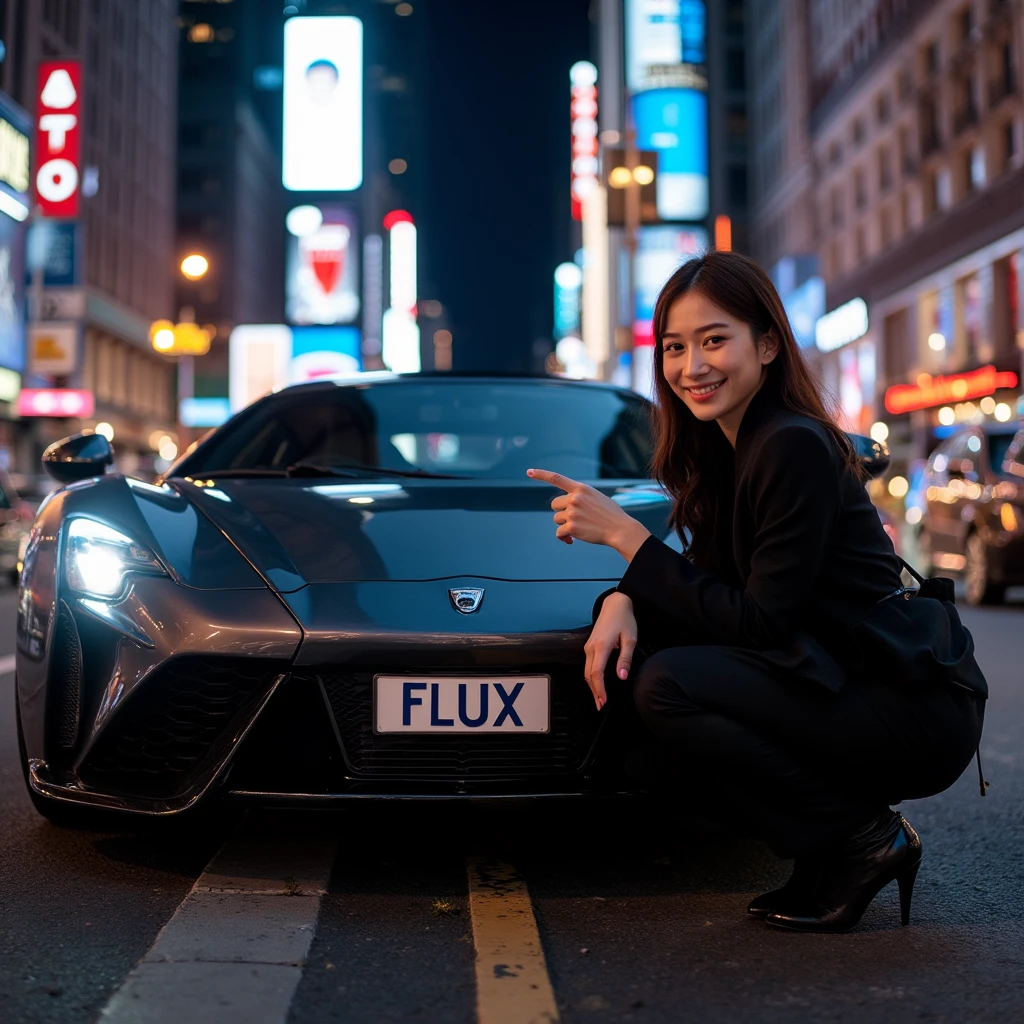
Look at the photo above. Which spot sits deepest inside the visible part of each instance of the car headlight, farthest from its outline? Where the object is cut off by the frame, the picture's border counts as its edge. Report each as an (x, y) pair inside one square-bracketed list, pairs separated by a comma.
[(99, 558)]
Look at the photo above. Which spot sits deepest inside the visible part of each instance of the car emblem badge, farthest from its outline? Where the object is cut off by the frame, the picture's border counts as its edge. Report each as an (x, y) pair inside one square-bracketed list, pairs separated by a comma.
[(466, 601)]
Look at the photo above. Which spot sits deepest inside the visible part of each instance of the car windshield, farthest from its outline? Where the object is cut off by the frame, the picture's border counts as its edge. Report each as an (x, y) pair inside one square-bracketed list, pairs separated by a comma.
[(998, 446), (486, 429)]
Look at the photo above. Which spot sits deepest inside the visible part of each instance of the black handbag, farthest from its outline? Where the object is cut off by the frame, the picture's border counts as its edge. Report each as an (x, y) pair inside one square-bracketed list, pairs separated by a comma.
[(916, 634)]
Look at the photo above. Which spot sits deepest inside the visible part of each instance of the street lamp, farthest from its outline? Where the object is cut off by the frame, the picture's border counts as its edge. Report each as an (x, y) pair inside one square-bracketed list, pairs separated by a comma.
[(194, 266)]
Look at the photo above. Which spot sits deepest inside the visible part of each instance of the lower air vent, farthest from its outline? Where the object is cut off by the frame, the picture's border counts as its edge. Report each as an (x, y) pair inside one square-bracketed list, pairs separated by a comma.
[(178, 725), (64, 687)]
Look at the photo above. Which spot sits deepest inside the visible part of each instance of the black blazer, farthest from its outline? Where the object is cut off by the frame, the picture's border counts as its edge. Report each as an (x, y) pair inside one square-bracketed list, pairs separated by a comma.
[(811, 558)]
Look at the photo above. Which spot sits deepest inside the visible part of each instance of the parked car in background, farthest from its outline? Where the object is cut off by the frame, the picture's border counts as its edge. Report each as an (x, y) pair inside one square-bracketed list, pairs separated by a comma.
[(876, 454), (973, 517), (16, 517)]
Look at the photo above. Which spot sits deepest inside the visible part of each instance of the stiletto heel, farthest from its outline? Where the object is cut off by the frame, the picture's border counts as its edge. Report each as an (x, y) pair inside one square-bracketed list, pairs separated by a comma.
[(885, 850), (905, 881)]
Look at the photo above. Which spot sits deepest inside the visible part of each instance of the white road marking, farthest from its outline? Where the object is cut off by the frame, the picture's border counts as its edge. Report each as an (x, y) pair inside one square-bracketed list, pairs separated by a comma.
[(236, 946), (512, 983), (7, 662)]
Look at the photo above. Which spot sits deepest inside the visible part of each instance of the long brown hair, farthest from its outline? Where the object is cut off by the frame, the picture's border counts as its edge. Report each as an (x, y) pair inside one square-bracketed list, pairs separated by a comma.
[(693, 459)]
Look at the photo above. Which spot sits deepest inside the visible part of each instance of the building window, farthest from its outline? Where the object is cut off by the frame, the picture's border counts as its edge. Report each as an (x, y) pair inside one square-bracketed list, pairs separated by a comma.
[(860, 192), (885, 226), (860, 244), (837, 208), (885, 168), (906, 85), (882, 109), (835, 154), (966, 23), (735, 69), (931, 193), (931, 58), (858, 131), (836, 257), (976, 168), (1010, 143), (737, 186)]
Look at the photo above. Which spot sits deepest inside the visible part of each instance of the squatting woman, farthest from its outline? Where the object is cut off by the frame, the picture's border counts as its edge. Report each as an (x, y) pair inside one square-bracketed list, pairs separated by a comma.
[(784, 675)]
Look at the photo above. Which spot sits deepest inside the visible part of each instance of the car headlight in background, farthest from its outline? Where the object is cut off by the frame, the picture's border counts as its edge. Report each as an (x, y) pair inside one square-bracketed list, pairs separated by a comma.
[(99, 558)]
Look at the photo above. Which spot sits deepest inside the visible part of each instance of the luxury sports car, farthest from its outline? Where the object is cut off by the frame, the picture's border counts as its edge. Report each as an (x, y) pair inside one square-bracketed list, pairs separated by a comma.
[(350, 589)]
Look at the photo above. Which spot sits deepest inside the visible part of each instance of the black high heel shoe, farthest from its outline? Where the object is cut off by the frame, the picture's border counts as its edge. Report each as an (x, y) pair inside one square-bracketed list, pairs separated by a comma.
[(886, 850), (795, 892)]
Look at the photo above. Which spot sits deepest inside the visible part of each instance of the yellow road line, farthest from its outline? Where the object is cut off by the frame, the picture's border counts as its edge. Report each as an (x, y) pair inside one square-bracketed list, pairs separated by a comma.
[(512, 983)]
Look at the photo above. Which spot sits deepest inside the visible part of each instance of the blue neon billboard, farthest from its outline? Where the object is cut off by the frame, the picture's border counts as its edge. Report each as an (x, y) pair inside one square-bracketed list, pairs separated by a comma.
[(675, 123)]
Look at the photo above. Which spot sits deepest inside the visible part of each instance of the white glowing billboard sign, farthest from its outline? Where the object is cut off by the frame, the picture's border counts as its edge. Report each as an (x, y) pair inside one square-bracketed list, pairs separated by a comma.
[(323, 104)]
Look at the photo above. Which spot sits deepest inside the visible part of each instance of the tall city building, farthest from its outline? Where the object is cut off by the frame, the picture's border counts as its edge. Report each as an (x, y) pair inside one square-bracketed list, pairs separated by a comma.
[(230, 200), (102, 251), (917, 129)]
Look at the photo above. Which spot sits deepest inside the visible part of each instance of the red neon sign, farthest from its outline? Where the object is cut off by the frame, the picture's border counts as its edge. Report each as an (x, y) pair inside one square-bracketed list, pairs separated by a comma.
[(958, 387), (55, 402), (58, 137)]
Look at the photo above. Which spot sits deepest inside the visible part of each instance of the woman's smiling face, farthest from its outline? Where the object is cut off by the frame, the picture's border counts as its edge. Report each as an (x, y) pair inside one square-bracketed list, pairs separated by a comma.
[(711, 361)]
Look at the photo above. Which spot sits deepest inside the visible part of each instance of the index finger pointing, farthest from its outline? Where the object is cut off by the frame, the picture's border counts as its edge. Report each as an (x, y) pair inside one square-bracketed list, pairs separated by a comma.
[(564, 482)]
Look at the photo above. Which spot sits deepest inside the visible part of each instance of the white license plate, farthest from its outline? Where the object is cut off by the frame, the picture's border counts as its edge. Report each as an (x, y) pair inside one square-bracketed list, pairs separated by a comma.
[(462, 704)]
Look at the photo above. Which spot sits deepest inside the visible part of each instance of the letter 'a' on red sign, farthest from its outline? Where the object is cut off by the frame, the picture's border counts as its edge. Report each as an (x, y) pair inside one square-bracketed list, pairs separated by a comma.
[(58, 138), (960, 387)]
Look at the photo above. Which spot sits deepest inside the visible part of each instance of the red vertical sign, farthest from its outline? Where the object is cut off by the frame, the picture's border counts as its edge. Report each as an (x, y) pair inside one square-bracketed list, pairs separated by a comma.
[(58, 137)]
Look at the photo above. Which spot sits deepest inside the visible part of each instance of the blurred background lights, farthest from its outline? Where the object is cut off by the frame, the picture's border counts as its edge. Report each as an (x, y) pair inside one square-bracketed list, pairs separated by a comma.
[(946, 416), (403, 10), (643, 175), (164, 339), (398, 166), (1003, 412), (200, 33), (303, 220), (879, 431), (194, 266), (583, 73), (104, 429), (568, 276), (898, 486), (936, 342), (974, 443), (156, 439), (619, 177), (988, 405), (168, 450), (913, 515)]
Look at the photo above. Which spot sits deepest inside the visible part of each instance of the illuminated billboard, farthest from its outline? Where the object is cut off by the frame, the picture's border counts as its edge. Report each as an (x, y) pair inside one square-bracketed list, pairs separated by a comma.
[(661, 35), (660, 252), (324, 351), (675, 123), (323, 104), (322, 266), (58, 132)]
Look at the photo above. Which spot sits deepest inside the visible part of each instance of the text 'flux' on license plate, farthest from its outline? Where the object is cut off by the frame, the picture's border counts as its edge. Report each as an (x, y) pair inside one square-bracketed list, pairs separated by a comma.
[(462, 704)]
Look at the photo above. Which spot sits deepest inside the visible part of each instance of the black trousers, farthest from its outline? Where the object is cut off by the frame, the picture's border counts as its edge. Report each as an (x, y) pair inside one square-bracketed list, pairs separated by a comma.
[(789, 761)]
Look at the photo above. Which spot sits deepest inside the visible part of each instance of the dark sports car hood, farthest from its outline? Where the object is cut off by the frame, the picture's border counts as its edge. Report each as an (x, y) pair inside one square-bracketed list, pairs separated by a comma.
[(303, 531)]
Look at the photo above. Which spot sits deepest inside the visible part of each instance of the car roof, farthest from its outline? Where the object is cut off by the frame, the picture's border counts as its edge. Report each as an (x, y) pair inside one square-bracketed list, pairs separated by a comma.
[(447, 376)]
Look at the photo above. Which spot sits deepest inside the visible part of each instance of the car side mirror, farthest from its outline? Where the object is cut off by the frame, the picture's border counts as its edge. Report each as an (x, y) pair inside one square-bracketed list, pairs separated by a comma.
[(873, 455), (78, 457)]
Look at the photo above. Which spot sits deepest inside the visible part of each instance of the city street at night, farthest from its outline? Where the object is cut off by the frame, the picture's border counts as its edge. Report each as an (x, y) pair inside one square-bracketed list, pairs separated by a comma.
[(637, 921), (511, 513)]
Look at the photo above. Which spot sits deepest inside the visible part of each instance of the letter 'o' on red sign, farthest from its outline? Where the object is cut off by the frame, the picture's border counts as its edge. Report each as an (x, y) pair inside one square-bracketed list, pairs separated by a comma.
[(58, 137)]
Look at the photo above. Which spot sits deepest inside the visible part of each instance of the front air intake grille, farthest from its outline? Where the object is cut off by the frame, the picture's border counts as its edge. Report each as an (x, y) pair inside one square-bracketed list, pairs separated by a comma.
[(458, 756), (64, 691), (178, 725)]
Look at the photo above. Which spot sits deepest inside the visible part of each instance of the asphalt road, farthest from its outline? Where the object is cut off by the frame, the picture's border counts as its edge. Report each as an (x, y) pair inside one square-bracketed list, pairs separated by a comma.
[(636, 917)]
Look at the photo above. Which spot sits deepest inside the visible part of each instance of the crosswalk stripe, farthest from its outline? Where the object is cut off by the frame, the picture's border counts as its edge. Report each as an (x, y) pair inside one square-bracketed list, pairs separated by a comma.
[(236, 946), (512, 982)]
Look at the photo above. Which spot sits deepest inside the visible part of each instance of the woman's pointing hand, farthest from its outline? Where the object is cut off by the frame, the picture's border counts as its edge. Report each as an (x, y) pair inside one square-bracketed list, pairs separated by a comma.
[(584, 513)]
